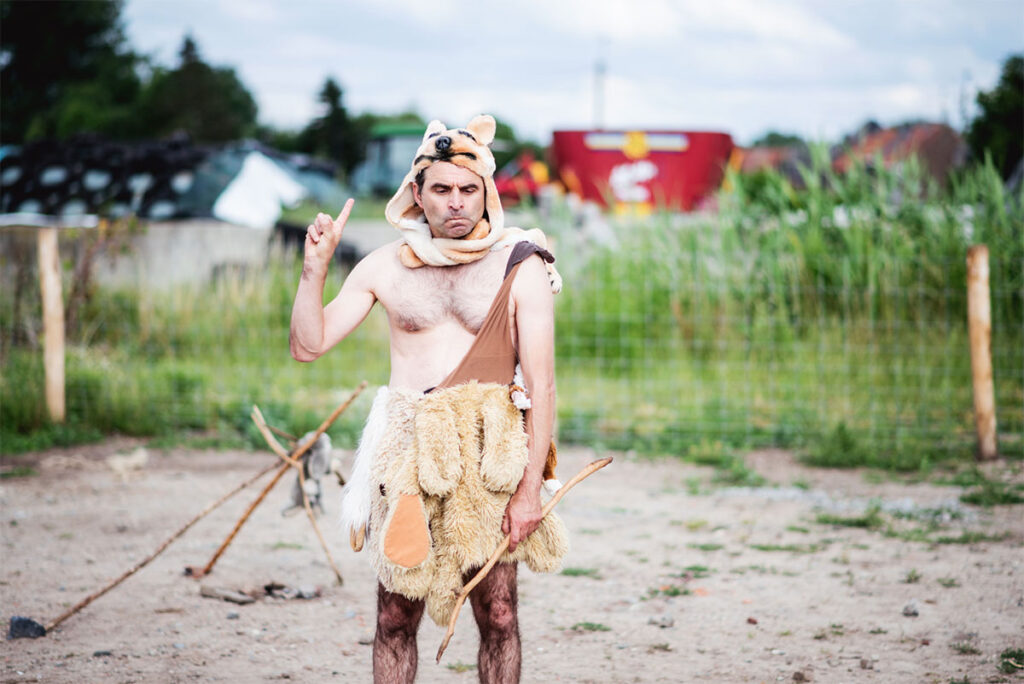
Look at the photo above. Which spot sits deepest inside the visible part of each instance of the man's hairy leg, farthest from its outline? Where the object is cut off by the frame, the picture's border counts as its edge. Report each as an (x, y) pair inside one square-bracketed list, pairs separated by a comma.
[(394, 646), (495, 602)]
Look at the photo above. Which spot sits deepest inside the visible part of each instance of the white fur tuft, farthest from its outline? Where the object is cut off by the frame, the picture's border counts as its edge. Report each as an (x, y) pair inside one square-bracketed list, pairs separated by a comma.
[(355, 502)]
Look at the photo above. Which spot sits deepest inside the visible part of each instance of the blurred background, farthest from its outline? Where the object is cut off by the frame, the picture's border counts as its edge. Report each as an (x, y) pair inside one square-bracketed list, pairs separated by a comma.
[(761, 211)]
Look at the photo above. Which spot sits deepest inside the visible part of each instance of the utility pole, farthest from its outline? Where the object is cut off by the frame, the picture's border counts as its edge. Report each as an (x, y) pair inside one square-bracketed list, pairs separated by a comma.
[(600, 71)]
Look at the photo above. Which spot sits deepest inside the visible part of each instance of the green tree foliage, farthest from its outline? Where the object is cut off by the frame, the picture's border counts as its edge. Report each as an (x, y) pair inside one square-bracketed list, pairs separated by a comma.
[(998, 130), (209, 103), (65, 68), (333, 134)]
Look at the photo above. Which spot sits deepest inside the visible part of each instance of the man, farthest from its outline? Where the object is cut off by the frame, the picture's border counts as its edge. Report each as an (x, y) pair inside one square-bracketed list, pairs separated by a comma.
[(434, 314)]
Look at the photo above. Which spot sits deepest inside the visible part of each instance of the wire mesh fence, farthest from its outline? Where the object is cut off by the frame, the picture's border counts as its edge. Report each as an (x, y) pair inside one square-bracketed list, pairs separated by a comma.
[(839, 330)]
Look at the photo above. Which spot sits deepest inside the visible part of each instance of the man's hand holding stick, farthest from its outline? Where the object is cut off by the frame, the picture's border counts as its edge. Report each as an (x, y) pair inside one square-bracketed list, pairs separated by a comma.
[(579, 477)]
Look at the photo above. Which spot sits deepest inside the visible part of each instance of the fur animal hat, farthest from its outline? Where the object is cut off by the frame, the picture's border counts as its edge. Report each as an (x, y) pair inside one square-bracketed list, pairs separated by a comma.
[(466, 147)]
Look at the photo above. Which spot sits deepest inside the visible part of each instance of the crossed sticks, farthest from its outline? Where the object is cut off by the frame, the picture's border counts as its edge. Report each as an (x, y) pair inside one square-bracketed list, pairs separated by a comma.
[(291, 460), (32, 629)]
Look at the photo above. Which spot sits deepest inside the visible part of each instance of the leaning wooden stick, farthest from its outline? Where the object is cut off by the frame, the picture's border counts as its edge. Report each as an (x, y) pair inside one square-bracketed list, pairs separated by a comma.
[(138, 566), (589, 470), (276, 447), (290, 460)]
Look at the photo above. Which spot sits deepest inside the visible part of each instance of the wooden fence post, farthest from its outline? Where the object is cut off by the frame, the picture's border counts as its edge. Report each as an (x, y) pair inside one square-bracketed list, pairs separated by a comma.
[(979, 325), (53, 322)]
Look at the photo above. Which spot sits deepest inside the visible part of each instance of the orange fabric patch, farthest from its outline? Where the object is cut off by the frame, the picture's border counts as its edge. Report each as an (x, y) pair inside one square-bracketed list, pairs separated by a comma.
[(407, 541)]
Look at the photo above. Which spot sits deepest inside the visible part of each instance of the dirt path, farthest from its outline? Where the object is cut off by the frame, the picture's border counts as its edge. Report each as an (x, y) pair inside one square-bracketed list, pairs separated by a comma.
[(669, 580)]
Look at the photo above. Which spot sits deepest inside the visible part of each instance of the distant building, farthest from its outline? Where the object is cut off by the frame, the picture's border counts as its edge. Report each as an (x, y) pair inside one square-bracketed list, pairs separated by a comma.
[(388, 152), (939, 148)]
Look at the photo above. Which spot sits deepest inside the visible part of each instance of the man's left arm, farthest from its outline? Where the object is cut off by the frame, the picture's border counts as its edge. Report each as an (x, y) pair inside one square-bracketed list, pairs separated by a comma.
[(535, 329)]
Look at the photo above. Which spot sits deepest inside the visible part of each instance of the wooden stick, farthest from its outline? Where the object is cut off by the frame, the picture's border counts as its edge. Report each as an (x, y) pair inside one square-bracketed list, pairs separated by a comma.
[(589, 470), (197, 572), (282, 433), (276, 447), (206, 511), (290, 460), (979, 324), (316, 528)]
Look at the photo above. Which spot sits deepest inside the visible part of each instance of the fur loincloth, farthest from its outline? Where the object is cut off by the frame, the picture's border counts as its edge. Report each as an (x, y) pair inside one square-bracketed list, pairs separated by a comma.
[(453, 458)]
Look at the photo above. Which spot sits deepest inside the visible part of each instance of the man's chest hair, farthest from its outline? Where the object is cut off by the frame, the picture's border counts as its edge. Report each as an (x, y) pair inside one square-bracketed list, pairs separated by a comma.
[(425, 297)]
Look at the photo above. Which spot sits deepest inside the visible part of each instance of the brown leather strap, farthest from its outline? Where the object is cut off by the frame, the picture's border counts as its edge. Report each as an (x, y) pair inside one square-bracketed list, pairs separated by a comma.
[(492, 357)]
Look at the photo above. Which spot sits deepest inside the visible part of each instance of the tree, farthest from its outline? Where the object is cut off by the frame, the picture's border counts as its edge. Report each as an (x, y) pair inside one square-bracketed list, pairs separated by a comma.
[(999, 127), (209, 103), (65, 68), (334, 135)]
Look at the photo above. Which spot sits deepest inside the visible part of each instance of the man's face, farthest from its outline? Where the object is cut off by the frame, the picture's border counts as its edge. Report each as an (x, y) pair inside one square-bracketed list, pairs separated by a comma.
[(452, 199)]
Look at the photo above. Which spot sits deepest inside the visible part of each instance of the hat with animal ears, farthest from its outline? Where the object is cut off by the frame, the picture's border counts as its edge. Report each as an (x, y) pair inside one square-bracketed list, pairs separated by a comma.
[(466, 147)]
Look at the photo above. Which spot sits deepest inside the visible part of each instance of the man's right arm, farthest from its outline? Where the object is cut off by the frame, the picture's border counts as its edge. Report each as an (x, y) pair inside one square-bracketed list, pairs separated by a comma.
[(314, 327)]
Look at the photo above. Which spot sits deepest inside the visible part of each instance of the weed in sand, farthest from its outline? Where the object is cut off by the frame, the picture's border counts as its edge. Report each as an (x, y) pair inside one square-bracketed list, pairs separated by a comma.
[(697, 571), (995, 494), (705, 547), (791, 548), (461, 667), (948, 582), (1011, 661), (18, 471), (878, 630), (697, 524), (912, 577), (590, 627), (287, 545), (870, 520), (965, 648), (581, 572), (797, 528), (972, 538)]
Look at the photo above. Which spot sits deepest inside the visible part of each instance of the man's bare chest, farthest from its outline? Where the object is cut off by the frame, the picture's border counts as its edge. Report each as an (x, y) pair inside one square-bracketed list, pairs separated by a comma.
[(420, 299)]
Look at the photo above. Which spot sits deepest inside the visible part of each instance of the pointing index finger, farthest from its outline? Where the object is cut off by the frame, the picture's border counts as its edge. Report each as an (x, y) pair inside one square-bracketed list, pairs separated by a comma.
[(343, 216)]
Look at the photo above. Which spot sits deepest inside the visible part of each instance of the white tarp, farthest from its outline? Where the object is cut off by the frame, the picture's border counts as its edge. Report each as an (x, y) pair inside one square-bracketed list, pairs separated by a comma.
[(254, 197)]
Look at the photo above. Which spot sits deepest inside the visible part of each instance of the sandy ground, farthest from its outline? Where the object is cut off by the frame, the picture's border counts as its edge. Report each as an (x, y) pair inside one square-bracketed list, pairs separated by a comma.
[(826, 607)]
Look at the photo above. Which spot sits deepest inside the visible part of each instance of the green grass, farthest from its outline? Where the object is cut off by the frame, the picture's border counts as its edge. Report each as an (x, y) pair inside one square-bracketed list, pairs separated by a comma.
[(965, 648), (1011, 661), (18, 471), (706, 547), (870, 520), (995, 494), (972, 538), (581, 572), (788, 548), (590, 627)]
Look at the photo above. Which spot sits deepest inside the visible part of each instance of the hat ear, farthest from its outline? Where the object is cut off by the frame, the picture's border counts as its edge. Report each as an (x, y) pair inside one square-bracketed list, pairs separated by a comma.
[(434, 127), (482, 127)]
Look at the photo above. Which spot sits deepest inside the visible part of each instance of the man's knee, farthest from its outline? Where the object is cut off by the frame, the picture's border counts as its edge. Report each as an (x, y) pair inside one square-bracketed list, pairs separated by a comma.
[(500, 617), (397, 615)]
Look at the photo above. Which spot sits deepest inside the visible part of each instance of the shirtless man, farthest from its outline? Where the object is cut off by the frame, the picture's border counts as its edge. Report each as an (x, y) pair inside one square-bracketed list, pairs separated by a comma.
[(433, 315)]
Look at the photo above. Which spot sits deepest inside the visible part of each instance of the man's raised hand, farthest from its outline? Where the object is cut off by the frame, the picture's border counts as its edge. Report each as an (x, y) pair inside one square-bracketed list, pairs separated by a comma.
[(323, 236)]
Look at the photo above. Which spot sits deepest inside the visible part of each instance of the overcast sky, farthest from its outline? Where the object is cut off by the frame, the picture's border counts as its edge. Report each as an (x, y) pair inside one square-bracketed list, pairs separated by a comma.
[(819, 68)]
